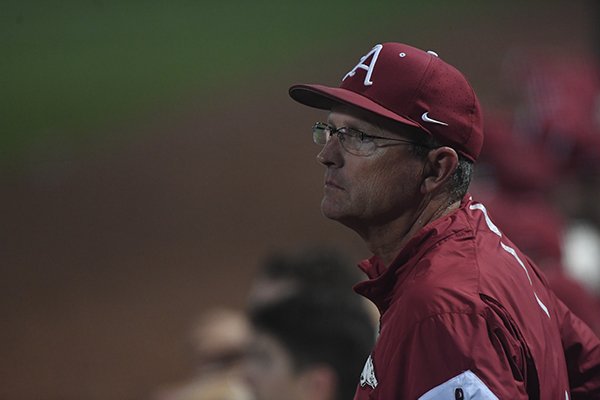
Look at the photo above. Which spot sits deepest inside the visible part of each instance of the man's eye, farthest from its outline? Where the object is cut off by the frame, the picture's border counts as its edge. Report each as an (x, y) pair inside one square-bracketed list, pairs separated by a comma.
[(361, 136)]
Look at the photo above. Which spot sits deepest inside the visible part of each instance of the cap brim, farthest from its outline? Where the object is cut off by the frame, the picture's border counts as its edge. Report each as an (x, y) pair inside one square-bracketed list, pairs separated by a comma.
[(325, 97)]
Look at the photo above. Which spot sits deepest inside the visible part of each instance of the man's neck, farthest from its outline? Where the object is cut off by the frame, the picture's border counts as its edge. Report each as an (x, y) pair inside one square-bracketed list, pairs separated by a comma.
[(386, 241)]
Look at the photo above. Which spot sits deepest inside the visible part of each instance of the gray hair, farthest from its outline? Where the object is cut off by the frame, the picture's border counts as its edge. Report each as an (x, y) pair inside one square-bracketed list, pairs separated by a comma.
[(460, 179)]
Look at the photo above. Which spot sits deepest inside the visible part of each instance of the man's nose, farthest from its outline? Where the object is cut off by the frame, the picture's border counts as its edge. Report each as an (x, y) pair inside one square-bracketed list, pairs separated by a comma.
[(332, 153)]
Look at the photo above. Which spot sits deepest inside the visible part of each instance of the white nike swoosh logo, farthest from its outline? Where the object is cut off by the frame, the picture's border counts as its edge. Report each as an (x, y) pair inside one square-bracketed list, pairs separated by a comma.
[(426, 118)]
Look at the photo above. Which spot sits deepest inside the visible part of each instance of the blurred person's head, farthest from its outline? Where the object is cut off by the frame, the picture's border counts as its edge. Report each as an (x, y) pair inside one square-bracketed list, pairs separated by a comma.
[(310, 268), (555, 129), (308, 345)]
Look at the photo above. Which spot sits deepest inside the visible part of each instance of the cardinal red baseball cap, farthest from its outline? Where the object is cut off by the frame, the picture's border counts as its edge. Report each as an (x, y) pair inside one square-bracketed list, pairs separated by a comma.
[(410, 86)]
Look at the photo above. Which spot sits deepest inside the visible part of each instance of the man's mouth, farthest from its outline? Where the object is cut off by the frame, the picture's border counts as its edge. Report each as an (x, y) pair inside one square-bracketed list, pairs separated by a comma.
[(332, 184)]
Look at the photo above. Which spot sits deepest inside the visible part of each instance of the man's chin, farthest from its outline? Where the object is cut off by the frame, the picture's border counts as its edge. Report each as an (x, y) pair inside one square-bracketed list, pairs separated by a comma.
[(332, 210), (328, 210), (341, 217)]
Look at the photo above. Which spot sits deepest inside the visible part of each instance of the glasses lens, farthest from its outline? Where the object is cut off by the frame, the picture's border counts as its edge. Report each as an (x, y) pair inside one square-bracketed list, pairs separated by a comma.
[(356, 143), (320, 133), (352, 140)]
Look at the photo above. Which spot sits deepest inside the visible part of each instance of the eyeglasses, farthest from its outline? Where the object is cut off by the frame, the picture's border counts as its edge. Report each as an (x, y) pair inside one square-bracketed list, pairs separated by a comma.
[(352, 140)]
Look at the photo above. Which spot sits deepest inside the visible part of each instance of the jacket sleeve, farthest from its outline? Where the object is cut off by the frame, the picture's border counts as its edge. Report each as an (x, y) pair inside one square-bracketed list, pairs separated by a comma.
[(449, 356), (582, 354)]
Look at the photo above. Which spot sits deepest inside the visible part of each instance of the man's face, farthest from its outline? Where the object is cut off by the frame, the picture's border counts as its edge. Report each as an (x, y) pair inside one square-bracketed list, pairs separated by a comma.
[(367, 191), (269, 370)]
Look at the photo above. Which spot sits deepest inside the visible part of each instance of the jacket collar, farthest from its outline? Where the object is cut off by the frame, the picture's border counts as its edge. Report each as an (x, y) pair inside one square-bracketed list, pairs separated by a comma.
[(382, 279)]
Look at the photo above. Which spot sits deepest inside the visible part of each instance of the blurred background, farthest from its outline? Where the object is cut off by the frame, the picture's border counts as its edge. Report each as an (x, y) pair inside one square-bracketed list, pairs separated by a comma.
[(151, 159)]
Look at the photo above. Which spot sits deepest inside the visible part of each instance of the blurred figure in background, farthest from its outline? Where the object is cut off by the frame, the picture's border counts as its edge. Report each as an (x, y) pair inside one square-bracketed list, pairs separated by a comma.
[(556, 130), (308, 345), (541, 173)]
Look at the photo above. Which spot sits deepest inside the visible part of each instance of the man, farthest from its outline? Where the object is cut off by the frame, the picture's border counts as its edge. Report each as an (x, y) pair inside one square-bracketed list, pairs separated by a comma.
[(308, 345), (464, 314)]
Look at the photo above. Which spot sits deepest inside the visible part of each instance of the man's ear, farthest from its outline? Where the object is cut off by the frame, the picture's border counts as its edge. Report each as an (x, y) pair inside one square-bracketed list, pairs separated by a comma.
[(441, 163), (318, 382)]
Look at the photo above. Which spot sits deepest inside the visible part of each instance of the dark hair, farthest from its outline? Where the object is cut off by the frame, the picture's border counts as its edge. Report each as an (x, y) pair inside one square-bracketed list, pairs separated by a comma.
[(318, 327), (313, 267)]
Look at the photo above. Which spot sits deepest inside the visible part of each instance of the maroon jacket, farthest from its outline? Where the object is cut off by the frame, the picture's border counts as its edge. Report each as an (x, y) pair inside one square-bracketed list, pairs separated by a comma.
[(465, 315)]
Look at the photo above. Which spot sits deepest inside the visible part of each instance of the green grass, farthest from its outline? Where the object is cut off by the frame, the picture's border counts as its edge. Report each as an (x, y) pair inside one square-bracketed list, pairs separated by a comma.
[(68, 69)]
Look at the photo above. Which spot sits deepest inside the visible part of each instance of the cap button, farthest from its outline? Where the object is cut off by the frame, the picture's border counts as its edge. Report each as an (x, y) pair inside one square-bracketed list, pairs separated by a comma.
[(433, 53)]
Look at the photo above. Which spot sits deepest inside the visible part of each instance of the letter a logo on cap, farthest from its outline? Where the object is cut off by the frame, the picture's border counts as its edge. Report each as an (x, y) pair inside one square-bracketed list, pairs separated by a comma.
[(369, 68)]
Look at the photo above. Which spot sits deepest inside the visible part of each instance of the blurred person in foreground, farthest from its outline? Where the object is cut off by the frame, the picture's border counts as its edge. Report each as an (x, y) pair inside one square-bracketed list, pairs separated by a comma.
[(220, 337), (318, 268), (308, 345), (464, 313), (218, 342), (312, 267)]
